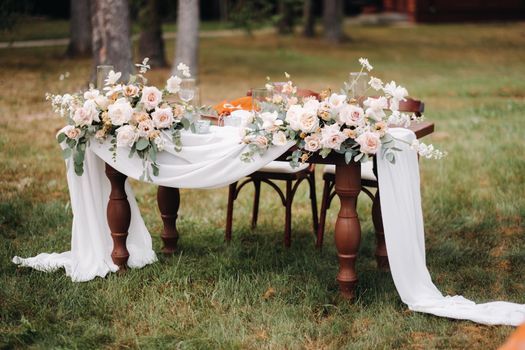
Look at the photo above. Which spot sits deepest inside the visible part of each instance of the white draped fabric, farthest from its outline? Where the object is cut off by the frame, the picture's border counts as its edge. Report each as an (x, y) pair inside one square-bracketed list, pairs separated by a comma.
[(213, 160)]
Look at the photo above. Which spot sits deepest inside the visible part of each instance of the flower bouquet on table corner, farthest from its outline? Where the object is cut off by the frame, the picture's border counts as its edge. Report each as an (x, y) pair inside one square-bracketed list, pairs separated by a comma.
[(334, 122), (133, 115)]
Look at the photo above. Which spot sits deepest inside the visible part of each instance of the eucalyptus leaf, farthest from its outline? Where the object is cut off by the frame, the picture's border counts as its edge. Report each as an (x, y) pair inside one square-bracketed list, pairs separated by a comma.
[(66, 153), (61, 137), (142, 144)]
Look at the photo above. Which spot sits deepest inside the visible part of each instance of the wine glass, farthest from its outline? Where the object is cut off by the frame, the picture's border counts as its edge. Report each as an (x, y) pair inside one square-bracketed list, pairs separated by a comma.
[(102, 74), (258, 95), (187, 90), (358, 85)]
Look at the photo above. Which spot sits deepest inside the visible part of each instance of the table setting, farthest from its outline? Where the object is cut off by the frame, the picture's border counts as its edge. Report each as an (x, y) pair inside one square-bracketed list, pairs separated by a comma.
[(132, 129)]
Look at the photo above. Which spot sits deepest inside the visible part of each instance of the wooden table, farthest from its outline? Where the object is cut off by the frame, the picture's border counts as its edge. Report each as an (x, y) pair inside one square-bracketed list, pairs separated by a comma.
[(347, 226)]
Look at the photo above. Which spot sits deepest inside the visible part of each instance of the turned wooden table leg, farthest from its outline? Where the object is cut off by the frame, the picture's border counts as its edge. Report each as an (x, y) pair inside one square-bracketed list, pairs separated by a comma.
[(347, 227), (168, 199), (119, 216), (381, 252)]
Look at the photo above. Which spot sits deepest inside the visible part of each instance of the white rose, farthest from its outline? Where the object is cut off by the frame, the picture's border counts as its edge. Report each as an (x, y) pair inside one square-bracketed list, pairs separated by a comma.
[(173, 84), (398, 93), (151, 97), (131, 90), (83, 116), (312, 104), (308, 121), (369, 142), (312, 143), (336, 101), (162, 117), (120, 112), (279, 138), (126, 136), (71, 132), (91, 94), (351, 115), (292, 116), (91, 107), (270, 120), (145, 127), (332, 137)]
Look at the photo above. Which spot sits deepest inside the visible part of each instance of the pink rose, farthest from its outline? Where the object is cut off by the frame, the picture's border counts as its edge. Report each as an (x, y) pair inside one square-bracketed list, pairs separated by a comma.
[(369, 142), (151, 97)]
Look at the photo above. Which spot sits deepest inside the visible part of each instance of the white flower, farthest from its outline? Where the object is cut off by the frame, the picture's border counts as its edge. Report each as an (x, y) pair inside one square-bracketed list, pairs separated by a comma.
[(162, 117), (308, 121), (131, 90), (312, 104), (312, 143), (291, 101), (376, 107), (120, 112), (151, 97), (336, 101), (270, 120), (71, 132), (84, 116), (261, 141), (279, 138), (351, 115), (288, 88), (115, 89), (159, 141), (126, 136), (91, 107), (332, 137), (269, 86), (91, 94), (102, 102), (184, 69), (277, 98), (145, 127), (113, 78), (369, 142), (173, 84), (292, 116), (375, 83), (397, 93), (398, 118), (144, 66), (364, 62)]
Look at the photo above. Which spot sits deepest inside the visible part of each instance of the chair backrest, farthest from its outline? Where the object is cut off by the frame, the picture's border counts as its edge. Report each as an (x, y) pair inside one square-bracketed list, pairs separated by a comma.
[(412, 106)]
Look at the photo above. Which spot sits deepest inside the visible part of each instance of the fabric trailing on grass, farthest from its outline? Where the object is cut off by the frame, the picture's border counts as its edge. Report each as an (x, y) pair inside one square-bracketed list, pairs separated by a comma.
[(213, 160), (405, 241)]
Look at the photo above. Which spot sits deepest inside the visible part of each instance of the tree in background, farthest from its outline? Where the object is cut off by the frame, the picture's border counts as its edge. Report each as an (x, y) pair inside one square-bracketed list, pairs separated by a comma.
[(111, 35), (333, 12), (79, 29), (151, 43), (308, 19), (187, 42)]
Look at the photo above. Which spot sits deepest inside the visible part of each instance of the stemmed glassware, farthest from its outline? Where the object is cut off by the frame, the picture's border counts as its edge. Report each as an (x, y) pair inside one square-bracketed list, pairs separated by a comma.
[(358, 85), (258, 95), (187, 89)]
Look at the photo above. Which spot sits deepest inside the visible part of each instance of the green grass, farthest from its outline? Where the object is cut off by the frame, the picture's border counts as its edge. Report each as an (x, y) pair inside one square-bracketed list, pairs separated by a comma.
[(210, 295)]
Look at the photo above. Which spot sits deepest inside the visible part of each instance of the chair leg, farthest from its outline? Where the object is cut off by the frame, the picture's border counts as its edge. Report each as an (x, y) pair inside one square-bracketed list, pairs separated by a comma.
[(381, 252), (229, 212), (322, 214), (256, 197), (288, 215), (313, 200)]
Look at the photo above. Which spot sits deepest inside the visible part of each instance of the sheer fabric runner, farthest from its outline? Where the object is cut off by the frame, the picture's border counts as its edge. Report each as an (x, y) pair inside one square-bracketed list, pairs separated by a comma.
[(405, 242), (213, 160)]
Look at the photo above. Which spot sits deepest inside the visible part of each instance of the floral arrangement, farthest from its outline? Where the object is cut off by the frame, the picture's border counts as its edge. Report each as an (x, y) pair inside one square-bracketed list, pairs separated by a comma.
[(357, 128), (134, 115)]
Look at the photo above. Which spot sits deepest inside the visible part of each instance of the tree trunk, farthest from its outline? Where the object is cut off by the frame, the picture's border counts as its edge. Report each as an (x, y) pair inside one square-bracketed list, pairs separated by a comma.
[(79, 29), (224, 10), (111, 35), (333, 20), (286, 20), (151, 43), (308, 19), (187, 42)]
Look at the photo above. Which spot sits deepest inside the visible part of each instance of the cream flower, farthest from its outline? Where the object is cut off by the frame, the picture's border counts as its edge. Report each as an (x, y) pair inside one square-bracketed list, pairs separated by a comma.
[(312, 104), (91, 107), (126, 136), (151, 97), (308, 121), (332, 137), (270, 120), (184, 69), (376, 107), (120, 112), (102, 102), (162, 117), (261, 141), (131, 90), (113, 77), (173, 84), (83, 116), (369, 142), (71, 132), (312, 143), (91, 94), (375, 83), (292, 116), (279, 138), (351, 115), (145, 127), (397, 94)]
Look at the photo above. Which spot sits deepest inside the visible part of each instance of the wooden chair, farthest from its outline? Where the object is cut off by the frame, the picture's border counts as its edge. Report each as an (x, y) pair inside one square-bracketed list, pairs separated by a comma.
[(368, 180), (277, 171)]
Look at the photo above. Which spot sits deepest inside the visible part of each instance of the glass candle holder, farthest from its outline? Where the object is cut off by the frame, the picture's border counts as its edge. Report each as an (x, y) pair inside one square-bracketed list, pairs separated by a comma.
[(358, 84), (102, 74), (259, 95)]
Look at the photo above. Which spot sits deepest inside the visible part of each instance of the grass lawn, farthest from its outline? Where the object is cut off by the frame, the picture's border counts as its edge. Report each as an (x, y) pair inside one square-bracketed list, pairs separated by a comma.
[(210, 295)]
